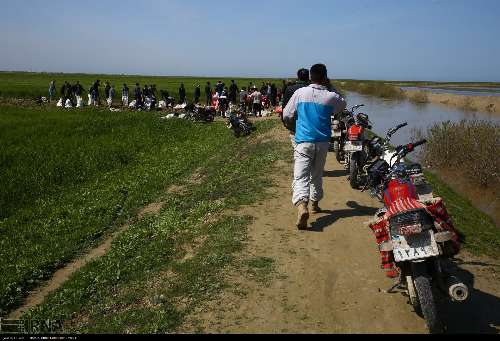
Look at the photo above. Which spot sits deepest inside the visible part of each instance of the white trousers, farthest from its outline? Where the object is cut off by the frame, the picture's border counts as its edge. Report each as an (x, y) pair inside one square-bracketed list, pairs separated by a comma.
[(310, 160), (125, 101)]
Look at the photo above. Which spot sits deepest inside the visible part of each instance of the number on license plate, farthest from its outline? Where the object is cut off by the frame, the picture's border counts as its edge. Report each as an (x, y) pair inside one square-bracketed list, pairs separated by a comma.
[(350, 147), (409, 230)]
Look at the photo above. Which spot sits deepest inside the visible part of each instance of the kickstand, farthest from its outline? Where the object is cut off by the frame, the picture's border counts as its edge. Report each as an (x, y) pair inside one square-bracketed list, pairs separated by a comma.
[(396, 288)]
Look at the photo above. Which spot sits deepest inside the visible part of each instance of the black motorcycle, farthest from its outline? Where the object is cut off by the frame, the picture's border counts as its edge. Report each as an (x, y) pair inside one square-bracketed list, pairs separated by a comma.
[(240, 125)]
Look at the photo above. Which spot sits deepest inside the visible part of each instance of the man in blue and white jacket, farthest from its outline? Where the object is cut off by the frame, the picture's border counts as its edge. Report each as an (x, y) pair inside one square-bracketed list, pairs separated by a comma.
[(309, 111)]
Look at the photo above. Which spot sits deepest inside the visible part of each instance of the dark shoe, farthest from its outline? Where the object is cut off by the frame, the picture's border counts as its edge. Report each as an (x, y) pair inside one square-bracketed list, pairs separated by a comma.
[(315, 207), (303, 216)]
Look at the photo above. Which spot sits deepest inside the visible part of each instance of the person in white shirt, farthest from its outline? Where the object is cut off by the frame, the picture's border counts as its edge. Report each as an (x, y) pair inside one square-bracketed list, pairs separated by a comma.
[(257, 105)]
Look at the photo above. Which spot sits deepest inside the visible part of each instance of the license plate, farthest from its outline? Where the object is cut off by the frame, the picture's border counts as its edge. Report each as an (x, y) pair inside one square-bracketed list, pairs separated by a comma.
[(350, 147), (415, 247)]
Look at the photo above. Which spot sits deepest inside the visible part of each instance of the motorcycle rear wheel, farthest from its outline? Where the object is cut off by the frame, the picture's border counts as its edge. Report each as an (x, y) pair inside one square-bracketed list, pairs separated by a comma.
[(426, 300)]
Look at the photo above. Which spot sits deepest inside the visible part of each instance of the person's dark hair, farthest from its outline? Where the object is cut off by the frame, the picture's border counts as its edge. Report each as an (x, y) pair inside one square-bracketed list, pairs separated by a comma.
[(303, 75), (319, 73), (136, 84)]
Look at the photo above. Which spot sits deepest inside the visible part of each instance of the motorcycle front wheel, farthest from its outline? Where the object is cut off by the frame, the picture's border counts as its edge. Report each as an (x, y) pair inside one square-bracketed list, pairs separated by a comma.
[(354, 172), (338, 152), (426, 299)]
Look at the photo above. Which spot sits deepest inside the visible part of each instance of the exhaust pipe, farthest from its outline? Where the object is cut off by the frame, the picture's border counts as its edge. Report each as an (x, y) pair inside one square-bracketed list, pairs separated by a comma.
[(458, 291)]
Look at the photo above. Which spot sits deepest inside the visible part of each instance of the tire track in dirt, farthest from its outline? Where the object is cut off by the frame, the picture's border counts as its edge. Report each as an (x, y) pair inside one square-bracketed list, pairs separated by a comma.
[(328, 279), (38, 295)]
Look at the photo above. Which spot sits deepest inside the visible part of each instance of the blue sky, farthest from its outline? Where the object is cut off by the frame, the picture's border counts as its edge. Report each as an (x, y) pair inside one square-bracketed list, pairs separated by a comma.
[(448, 40)]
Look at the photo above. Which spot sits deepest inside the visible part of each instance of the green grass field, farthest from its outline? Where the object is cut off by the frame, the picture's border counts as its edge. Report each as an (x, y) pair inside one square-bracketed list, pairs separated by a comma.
[(69, 178)]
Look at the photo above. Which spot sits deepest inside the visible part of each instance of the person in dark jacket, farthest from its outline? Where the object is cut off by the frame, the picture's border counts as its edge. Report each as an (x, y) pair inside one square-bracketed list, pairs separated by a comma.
[(106, 90), (95, 92), (219, 88), (233, 92), (63, 94), (182, 94), (197, 94), (274, 94), (302, 82), (208, 93), (77, 92), (137, 96)]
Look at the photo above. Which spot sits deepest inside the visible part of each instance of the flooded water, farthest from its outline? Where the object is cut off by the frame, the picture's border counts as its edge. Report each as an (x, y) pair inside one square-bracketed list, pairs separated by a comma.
[(458, 91), (385, 114)]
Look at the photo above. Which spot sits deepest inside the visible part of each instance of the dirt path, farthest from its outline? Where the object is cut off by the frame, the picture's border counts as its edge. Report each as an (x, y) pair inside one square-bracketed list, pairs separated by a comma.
[(328, 280)]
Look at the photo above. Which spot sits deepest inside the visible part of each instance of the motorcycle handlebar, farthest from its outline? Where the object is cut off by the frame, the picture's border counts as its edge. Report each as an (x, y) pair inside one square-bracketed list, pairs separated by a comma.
[(357, 107), (395, 129), (419, 143), (402, 125)]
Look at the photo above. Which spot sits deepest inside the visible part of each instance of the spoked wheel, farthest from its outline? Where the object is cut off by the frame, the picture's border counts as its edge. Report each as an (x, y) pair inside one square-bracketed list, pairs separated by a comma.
[(426, 302)]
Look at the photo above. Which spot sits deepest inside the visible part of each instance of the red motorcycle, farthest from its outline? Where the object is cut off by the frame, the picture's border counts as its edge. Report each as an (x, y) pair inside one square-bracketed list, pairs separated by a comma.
[(357, 148), (415, 234)]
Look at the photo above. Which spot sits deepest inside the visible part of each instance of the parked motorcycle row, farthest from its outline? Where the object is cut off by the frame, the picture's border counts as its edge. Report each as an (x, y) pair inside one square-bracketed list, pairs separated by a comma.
[(236, 119), (195, 113), (414, 232)]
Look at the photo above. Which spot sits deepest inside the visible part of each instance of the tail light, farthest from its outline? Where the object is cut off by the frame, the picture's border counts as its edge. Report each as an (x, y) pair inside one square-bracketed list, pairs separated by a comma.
[(355, 133)]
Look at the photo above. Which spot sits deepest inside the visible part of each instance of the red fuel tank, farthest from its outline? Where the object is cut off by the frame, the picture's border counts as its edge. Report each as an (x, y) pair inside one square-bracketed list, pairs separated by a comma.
[(356, 132)]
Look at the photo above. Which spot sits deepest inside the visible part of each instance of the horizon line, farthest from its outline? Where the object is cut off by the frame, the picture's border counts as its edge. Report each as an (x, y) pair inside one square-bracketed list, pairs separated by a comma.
[(237, 77)]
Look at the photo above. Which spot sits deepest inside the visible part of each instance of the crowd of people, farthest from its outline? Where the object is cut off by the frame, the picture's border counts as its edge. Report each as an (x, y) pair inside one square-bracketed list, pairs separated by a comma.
[(250, 99)]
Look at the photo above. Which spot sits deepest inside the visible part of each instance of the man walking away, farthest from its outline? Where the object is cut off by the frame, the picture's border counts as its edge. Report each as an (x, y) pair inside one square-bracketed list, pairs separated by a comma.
[(310, 110), (182, 94), (233, 92), (257, 106), (52, 90), (125, 91), (197, 94)]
